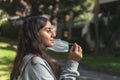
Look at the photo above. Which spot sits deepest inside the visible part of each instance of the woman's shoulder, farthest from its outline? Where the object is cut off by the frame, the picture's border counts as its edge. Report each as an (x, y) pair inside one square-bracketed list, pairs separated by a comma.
[(34, 59), (37, 59)]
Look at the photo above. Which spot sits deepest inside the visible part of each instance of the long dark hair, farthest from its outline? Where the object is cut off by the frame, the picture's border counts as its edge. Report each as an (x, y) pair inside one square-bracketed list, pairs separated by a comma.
[(30, 42)]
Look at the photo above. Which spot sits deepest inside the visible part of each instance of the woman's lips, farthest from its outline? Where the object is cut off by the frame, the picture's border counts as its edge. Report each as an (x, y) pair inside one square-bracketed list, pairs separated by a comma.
[(52, 41)]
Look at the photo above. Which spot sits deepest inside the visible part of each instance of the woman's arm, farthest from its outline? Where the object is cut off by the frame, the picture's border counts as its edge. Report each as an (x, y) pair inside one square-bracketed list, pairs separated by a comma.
[(70, 71)]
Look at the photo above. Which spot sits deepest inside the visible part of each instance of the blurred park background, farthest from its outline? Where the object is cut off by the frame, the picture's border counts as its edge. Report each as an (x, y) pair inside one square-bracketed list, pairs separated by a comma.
[(93, 24)]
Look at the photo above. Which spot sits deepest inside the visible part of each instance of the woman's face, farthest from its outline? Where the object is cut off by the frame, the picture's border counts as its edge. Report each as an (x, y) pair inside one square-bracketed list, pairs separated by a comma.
[(47, 35)]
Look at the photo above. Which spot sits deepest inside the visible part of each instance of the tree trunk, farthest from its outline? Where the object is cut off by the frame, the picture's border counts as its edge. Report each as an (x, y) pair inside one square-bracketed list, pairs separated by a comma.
[(95, 19)]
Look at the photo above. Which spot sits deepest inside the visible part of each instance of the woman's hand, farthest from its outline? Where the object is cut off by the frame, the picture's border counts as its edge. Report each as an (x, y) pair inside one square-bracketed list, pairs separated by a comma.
[(75, 53)]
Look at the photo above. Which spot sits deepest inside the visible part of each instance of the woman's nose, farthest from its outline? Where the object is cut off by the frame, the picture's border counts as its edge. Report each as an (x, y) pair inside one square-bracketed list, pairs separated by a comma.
[(53, 33)]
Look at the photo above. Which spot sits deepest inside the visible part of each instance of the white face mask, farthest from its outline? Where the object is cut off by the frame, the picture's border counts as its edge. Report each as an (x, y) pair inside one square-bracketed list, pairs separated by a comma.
[(60, 46)]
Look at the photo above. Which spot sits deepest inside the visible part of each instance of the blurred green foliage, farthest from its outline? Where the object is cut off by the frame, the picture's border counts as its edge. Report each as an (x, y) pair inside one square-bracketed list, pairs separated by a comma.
[(10, 31)]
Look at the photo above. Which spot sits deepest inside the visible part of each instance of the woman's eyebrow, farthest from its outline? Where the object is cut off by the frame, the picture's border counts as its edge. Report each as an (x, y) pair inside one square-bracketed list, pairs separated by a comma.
[(49, 28)]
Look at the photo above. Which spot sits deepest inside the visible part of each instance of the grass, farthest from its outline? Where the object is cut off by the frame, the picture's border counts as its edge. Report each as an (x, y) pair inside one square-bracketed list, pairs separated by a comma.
[(109, 64), (7, 54)]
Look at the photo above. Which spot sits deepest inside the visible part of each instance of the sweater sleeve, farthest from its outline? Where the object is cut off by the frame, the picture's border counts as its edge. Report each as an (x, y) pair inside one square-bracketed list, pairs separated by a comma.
[(70, 71), (42, 71)]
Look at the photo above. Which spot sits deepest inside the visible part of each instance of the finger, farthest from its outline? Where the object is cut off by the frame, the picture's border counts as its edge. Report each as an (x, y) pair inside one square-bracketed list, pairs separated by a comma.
[(79, 49), (76, 47), (71, 49)]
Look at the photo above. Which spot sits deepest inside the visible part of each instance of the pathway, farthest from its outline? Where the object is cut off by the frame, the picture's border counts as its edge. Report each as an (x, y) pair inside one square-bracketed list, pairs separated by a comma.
[(90, 74), (94, 75)]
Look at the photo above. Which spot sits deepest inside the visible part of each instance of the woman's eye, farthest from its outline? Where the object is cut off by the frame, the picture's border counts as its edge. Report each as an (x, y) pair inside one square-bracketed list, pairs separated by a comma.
[(48, 30)]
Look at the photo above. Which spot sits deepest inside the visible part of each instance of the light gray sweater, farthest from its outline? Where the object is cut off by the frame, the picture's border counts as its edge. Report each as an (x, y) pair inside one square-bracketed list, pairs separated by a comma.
[(42, 71)]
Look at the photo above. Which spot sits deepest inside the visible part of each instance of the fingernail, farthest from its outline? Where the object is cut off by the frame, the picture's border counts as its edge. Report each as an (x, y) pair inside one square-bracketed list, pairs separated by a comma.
[(75, 43)]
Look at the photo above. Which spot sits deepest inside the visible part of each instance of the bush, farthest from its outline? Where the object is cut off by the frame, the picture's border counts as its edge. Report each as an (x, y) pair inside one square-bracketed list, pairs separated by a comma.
[(10, 31), (82, 42)]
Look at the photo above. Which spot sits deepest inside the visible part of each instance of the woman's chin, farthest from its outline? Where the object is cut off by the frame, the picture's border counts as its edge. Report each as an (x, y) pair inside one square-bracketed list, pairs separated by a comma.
[(51, 45)]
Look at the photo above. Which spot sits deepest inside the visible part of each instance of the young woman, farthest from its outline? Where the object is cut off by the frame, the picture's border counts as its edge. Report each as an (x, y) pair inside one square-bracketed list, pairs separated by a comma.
[(32, 62)]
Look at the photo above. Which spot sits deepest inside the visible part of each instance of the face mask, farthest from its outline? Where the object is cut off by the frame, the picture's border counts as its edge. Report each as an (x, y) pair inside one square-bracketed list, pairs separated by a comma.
[(60, 46)]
